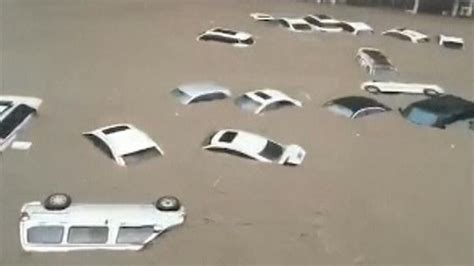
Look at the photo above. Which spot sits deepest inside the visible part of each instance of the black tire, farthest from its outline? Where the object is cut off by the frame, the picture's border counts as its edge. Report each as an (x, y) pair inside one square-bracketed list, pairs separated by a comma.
[(431, 93), (168, 203), (57, 201), (372, 89)]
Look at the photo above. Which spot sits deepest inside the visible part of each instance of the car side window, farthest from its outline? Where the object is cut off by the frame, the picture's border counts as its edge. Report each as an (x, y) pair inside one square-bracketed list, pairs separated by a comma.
[(88, 235), (222, 39), (45, 234), (134, 235), (209, 97)]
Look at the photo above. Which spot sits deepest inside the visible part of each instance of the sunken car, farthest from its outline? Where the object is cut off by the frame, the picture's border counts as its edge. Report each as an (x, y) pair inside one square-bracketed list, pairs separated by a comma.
[(355, 106), (262, 100), (324, 23), (451, 41), (200, 92), (375, 87), (295, 24), (439, 112), (407, 35), (356, 28), (124, 143), (15, 112), (232, 37), (59, 225), (253, 146), (375, 62)]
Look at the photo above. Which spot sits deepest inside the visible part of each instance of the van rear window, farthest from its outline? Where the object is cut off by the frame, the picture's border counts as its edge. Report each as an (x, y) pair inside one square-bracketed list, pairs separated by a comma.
[(45, 234)]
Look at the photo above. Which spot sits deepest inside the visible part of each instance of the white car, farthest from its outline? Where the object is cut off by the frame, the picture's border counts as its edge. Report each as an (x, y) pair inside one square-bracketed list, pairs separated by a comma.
[(407, 35), (262, 17), (249, 145), (15, 112), (235, 38), (374, 61), (124, 143), (296, 24), (397, 87), (58, 225), (356, 28), (451, 41), (199, 92), (265, 99), (324, 23)]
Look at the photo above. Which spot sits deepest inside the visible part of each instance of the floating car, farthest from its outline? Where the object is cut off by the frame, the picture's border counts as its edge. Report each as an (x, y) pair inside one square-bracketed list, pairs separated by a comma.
[(397, 87), (374, 61), (200, 92), (262, 17), (235, 38), (356, 28), (296, 24), (58, 224), (355, 106), (266, 99), (407, 35), (252, 146), (124, 143), (15, 112), (324, 23), (451, 41), (439, 112)]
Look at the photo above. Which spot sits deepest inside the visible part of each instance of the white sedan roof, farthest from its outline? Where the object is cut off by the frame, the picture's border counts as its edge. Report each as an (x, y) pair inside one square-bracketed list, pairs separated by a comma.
[(228, 33), (267, 96), (360, 26), (412, 34), (128, 139), (201, 88), (243, 141), (295, 21)]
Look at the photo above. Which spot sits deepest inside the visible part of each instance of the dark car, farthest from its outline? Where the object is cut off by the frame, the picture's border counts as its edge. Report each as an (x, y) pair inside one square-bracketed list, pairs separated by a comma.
[(439, 112), (355, 106)]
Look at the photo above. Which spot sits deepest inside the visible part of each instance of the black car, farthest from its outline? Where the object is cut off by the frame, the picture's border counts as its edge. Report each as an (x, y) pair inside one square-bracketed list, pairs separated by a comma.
[(439, 112), (355, 106)]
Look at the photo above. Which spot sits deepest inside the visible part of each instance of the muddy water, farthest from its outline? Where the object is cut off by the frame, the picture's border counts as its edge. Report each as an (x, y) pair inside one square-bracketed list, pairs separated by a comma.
[(374, 191)]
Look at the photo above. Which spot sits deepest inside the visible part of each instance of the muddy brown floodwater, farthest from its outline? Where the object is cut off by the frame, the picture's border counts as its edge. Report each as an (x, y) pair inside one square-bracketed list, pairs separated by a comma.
[(378, 190)]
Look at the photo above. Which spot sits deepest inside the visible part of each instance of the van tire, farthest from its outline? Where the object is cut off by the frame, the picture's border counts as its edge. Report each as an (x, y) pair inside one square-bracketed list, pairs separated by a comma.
[(57, 201), (168, 203)]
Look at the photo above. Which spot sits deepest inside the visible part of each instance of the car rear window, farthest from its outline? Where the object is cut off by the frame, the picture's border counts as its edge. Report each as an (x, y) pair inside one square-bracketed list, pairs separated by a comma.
[(228, 137), (4, 106), (14, 119), (45, 234), (134, 235), (209, 97), (111, 130), (88, 235), (421, 117), (272, 151)]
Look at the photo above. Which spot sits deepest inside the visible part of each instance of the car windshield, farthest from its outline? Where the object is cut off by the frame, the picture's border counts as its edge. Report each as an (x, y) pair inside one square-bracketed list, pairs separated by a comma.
[(421, 117), (452, 44), (141, 155), (298, 26), (181, 95), (340, 110), (247, 103), (272, 151), (19, 114)]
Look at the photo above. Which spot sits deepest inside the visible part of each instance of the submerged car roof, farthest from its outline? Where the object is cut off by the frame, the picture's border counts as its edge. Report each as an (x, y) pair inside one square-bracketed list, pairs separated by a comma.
[(268, 95), (445, 105), (200, 88), (229, 33), (241, 140), (356, 103), (377, 55)]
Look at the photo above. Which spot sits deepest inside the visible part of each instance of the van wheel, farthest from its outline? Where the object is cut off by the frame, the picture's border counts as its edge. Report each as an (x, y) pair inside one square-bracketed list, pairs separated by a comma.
[(57, 201), (372, 89), (430, 92), (168, 203)]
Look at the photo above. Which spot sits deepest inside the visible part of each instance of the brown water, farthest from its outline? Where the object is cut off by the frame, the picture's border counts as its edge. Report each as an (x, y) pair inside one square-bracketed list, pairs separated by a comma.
[(374, 191)]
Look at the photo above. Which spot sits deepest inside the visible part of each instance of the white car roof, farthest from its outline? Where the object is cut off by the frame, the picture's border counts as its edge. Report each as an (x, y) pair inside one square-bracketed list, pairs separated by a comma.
[(238, 34), (325, 20), (245, 142), (295, 21), (447, 38), (413, 34), (83, 214), (274, 96), (16, 100), (125, 141), (259, 16), (197, 89), (360, 26)]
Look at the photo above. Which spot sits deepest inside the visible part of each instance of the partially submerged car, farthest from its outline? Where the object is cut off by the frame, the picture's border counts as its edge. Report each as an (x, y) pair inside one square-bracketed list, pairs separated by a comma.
[(374, 61), (356, 28), (399, 87), (199, 92), (15, 112), (407, 35), (439, 112), (324, 23), (296, 24), (59, 225), (124, 143), (451, 41), (252, 146), (262, 17), (355, 106), (235, 38), (258, 101)]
